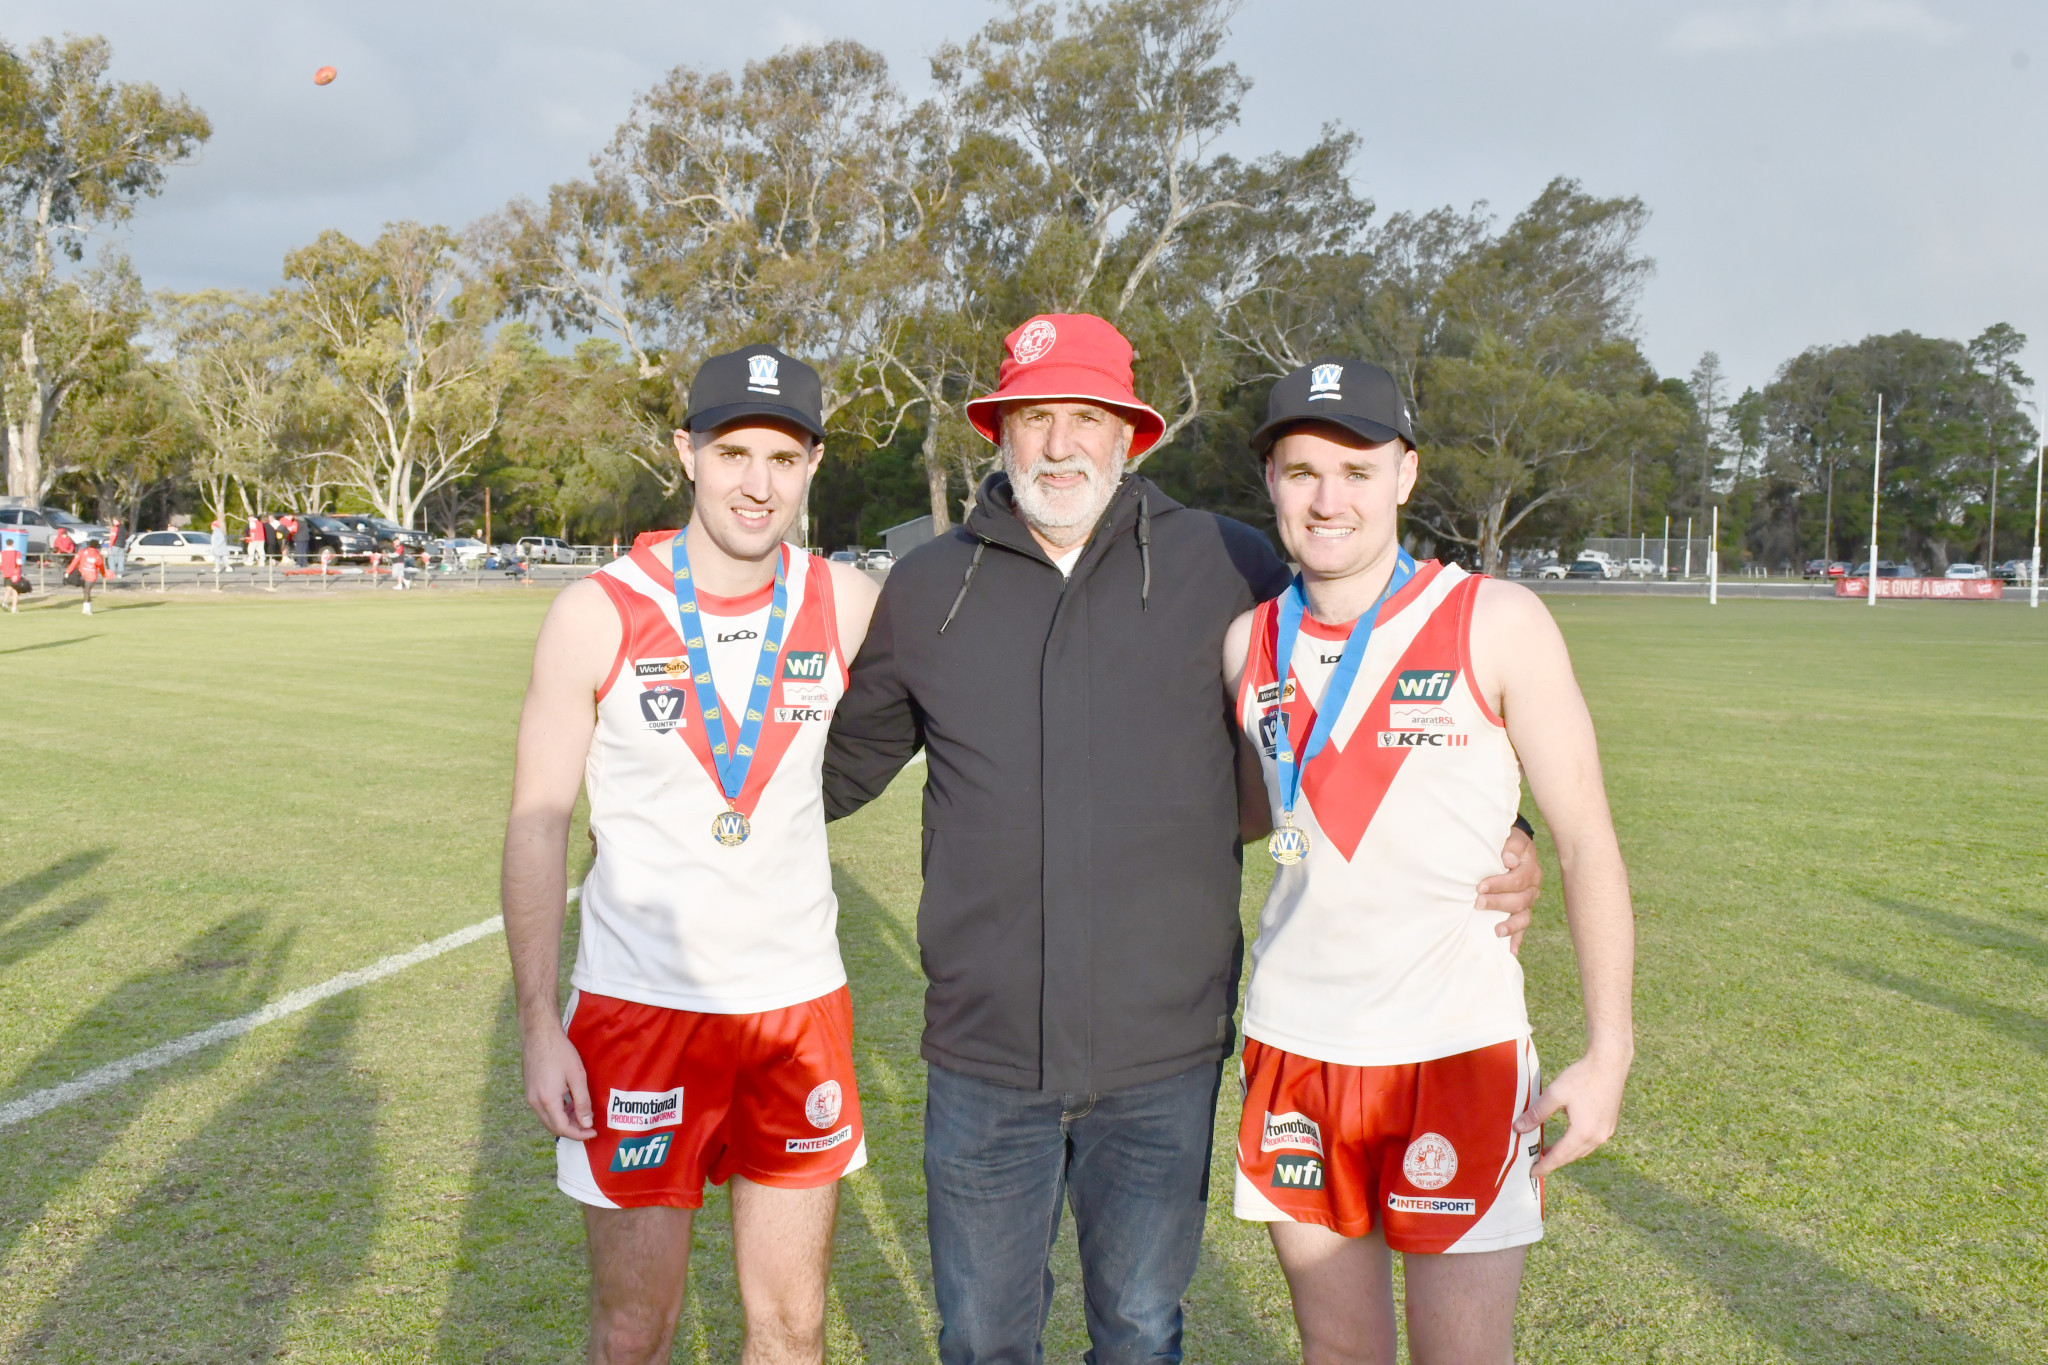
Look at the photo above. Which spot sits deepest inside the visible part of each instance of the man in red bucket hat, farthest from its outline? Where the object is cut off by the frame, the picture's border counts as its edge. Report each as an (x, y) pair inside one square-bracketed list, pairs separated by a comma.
[(1058, 657)]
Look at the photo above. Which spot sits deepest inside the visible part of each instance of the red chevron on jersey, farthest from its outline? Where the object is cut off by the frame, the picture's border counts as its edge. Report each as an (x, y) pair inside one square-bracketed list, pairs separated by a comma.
[(1346, 783), (650, 633)]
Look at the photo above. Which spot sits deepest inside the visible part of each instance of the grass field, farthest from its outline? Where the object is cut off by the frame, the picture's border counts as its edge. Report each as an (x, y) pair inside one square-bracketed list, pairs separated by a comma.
[(1833, 1151)]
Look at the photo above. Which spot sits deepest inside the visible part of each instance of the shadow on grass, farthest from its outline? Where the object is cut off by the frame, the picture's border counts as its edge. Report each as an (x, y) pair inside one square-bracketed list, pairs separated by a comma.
[(1783, 1293), (1974, 933), (2029, 1030), (25, 891), (265, 1213), (49, 644), (520, 1285), (223, 972)]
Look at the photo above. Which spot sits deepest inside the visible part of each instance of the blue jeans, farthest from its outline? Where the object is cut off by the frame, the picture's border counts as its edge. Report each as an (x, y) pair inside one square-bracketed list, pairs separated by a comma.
[(999, 1162)]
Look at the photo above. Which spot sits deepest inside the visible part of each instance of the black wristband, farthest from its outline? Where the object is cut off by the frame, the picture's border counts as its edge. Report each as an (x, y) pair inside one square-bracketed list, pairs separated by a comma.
[(1522, 824)]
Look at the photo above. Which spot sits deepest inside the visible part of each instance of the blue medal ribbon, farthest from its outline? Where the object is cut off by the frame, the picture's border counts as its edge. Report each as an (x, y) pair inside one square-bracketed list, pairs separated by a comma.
[(734, 759), (1289, 759)]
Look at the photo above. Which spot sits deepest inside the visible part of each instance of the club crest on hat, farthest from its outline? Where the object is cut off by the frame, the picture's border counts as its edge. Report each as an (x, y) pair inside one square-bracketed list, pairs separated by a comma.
[(761, 374), (1324, 382), (1034, 341)]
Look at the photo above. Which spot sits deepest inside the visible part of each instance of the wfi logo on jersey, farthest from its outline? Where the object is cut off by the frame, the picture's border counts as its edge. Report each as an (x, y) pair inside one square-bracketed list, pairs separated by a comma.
[(642, 1154), (805, 663), (662, 707), (1424, 684), (762, 374), (1297, 1173), (1292, 1130), (1324, 382)]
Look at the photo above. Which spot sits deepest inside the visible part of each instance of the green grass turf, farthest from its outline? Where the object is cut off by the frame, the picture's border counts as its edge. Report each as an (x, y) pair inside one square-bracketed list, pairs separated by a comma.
[(1833, 1148)]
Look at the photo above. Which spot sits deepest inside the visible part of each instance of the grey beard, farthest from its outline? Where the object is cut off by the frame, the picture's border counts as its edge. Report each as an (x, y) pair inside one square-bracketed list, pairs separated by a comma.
[(1069, 521)]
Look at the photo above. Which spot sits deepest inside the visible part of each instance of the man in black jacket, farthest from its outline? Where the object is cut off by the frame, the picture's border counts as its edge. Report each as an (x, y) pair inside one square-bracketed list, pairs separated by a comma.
[(1058, 659)]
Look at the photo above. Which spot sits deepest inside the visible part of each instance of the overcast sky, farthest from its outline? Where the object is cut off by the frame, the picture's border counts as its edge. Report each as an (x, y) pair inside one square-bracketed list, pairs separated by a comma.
[(1816, 171)]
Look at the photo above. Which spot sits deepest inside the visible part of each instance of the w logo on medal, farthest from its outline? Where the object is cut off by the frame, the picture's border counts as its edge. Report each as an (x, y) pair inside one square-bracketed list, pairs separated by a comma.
[(730, 829), (1288, 845)]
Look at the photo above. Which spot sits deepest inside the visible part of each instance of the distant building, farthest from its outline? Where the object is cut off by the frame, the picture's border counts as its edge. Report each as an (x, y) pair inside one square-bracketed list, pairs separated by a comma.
[(902, 539)]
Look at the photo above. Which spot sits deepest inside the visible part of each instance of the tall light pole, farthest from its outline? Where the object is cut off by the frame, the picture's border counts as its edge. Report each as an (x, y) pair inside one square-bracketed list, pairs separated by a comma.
[(2034, 575), (1876, 468)]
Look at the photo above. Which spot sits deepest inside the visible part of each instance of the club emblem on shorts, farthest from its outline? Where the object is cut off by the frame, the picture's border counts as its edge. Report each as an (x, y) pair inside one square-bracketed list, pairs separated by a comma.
[(1431, 1162), (1324, 382), (1034, 341), (821, 1106), (762, 371), (730, 828)]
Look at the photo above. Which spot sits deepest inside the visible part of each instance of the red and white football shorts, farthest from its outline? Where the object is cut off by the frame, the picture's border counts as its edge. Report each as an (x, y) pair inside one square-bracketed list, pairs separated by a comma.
[(680, 1098), (1425, 1150)]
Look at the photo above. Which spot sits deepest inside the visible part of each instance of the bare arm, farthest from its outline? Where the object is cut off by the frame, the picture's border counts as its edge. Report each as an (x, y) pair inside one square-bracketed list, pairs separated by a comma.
[(1254, 809), (578, 641), (853, 597), (1522, 662)]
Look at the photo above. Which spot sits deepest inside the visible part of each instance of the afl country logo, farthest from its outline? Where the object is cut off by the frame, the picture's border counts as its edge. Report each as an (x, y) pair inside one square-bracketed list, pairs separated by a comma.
[(661, 706), (1034, 341), (822, 1105), (1431, 1162)]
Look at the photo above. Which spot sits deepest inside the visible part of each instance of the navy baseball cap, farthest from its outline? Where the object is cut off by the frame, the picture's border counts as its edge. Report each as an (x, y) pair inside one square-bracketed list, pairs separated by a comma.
[(755, 381), (1352, 394)]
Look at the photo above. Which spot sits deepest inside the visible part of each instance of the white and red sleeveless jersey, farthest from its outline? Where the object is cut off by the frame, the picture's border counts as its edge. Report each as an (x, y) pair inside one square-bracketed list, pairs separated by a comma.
[(670, 916), (1369, 951)]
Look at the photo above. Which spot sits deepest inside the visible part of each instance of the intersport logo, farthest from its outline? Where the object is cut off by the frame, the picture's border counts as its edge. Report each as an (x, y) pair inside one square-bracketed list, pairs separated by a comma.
[(636, 1111), (1291, 1130)]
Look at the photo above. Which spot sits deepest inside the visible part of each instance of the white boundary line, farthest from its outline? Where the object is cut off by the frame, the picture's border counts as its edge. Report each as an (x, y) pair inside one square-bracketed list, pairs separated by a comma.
[(113, 1073)]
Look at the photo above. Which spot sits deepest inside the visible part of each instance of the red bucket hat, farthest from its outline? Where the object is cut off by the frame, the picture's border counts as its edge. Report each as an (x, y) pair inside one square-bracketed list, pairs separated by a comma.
[(1074, 356)]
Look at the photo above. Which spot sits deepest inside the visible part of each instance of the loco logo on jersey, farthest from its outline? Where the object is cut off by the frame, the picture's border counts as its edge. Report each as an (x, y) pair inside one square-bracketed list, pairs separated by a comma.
[(1294, 1130), (633, 1111), (661, 706), (1431, 1162), (804, 663)]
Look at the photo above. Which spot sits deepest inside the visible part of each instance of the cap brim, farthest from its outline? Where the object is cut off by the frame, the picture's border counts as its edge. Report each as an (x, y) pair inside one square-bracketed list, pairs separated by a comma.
[(986, 413), (715, 419), (1372, 432)]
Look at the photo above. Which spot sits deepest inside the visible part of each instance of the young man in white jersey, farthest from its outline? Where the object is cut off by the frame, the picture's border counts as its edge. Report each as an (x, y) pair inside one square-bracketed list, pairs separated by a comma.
[(688, 688), (1388, 710)]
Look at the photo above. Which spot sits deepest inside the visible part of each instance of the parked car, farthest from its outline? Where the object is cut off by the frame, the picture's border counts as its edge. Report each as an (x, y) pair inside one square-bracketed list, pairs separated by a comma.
[(1589, 568), (170, 547), (546, 550), (466, 551), (81, 530), (1966, 571), (878, 559), (1552, 570), (1640, 567), (1885, 569), (40, 523), (845, 556), (2016, 570), (325, 532)]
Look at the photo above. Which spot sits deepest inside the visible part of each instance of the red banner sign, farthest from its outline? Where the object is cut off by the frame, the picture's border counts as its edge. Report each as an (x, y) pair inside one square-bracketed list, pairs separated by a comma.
[(1950, 589)]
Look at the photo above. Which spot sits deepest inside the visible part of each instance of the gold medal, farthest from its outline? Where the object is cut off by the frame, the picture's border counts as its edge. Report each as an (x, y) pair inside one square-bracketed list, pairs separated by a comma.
[(731, 828), (1288, 844)]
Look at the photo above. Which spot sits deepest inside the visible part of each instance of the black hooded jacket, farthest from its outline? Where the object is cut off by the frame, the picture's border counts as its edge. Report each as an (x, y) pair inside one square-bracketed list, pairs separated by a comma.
[(1079, 925)]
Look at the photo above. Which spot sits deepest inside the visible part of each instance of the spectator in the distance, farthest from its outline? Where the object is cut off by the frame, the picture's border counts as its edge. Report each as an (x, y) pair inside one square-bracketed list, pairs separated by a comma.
[(302, 539), (12, 584), (62, 544), (90, 566), (219, 546), (253, 540), (117, 550)]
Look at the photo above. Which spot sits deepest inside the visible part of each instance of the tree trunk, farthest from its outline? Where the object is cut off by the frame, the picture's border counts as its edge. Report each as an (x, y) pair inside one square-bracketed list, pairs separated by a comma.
[(25, 436), (935, 476)]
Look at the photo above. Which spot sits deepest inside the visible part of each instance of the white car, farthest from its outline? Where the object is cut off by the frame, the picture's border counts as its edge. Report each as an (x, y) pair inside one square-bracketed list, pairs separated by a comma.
[(546, 550), (878, 559), (464, 550), (1641, 568), (1966, 571), (174, 547), (1552, 570)]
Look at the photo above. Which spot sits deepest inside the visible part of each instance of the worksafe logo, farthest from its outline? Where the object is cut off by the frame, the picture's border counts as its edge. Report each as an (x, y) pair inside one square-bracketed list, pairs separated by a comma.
[(1324, 382), (805, 663), (1297, 1173), (762, 374), (1424, 684), (642, 1154)]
